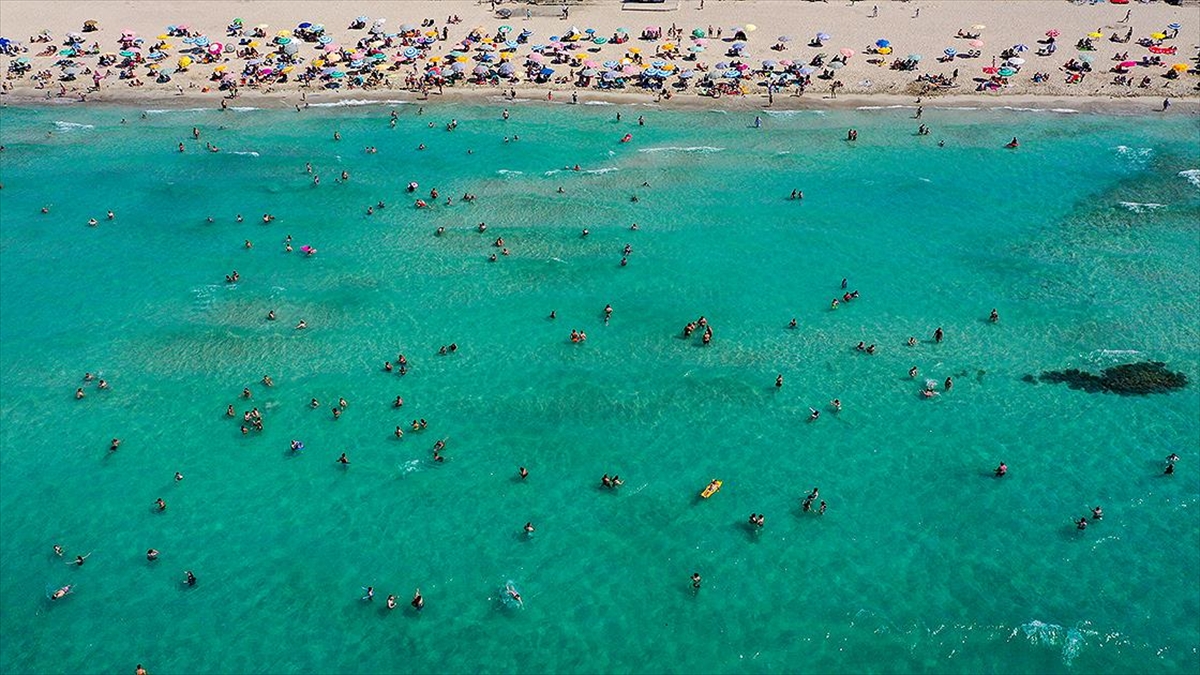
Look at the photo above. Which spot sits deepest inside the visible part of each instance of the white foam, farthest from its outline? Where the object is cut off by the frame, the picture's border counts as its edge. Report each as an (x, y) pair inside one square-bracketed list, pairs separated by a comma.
[(598, 103), (242, 108), (1138, 207), (347, 102), (1125, 150), (509, 172), (1192, 176), (607, 169), (1050, 635), (249, 153), (793, 113), (885, 107), (72, 126), (1064, 111), (160, 111), (690, 148)]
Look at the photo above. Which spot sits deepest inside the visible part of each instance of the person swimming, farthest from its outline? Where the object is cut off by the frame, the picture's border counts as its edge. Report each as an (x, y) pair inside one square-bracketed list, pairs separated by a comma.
[(1097, 513), (418, 600), (1001, 470), (191, 578), (391, 602), (61, 593), (151, 554), (529, 528), (512, 593)]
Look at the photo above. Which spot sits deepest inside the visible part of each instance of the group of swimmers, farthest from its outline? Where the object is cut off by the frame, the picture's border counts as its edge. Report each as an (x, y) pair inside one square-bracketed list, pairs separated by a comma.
[(693, 326)]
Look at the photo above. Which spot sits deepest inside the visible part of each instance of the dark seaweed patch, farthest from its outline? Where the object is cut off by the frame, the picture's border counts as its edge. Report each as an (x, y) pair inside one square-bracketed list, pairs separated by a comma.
[(1130, 379)]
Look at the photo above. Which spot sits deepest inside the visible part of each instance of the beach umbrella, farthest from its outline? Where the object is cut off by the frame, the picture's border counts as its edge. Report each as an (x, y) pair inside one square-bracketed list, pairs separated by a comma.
[(1017, 61), (750, 28), (536, 58), (687, 74), (1020, 48), (722, 65), (600, 40), (625, 31), (1127, 64), (821, 37), (610, 64), (480, 70), (125, 52), (337, 74), (769, 64), (506, 69), (609, 75), (284, 40), (1180, 67), (590, 31), (325, 39), (699, 32), (846, 52), (807, 70), (1006, 72), (695, 49), (836, 65), (976, 43), (978, 26), (738, 46), (883, 43), (783, 38), (885, 50), (787, 63), (914, 57), (201, 41), (658, 63), (588, 72), (630, 70), (304, 24), (1158, 36), (1087, 58), (185, 61), (1053, 32), (547, 72), (990, 70), (950, 51), (1095, 34)]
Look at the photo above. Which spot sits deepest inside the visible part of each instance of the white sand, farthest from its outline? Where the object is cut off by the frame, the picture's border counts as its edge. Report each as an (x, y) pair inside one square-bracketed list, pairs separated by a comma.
[(1008, 22)]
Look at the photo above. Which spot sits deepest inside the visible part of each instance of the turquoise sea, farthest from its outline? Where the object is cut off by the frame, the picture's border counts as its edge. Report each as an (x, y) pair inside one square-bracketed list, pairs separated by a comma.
[(1086, 240)]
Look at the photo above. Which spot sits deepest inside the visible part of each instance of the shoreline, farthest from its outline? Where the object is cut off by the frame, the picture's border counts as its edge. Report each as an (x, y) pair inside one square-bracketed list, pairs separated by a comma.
[(1102, 105)]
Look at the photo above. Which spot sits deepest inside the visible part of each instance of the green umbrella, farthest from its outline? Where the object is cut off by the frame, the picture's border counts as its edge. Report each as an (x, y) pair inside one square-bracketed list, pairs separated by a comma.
[(505, 29), (600, 40), (1006, 72), (623, 31), (337, 74)]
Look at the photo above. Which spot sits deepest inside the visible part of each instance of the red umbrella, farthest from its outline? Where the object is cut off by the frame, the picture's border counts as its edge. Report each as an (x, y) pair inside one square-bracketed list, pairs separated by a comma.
[(991, 70), (1053, 32), (1127, 64)]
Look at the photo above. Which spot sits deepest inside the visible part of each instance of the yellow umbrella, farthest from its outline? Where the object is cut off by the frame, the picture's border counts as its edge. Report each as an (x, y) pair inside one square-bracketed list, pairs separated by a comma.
[(1095, 34), (253, 43), (462, 59), (669, 66), (435, 59), (885, 50), (288, 69), (1181, 67), (750, 28), (333, 57), (166, 46), (185, 61), (626, 62), (434, 33), (1158, 36), (284, 33), (318, 62), (635, 50), (164, 36), (221, 68)]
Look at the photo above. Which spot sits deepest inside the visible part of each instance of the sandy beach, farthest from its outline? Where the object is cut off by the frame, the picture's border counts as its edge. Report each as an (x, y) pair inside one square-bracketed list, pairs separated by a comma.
[(882, 53)]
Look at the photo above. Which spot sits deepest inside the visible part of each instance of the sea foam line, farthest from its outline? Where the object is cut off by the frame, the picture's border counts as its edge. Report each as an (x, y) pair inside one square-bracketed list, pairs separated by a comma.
[(346, 102), (690, 148), (1192, 176)]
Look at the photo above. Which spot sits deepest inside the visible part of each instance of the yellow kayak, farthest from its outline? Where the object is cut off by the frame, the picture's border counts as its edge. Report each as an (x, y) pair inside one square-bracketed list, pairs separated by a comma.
[(711, 489)]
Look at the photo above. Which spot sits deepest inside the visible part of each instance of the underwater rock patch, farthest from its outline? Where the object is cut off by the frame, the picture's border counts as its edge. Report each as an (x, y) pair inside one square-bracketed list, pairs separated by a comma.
[(1130, 379)]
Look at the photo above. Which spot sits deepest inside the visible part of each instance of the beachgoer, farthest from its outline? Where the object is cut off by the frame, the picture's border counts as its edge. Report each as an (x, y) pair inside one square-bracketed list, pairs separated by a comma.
[(524, 473), (695, 580), (418, 601), (1001, 470)]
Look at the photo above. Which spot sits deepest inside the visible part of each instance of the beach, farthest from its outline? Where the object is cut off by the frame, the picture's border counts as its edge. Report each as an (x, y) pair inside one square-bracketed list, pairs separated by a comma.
[(333, 379), (929, 31)]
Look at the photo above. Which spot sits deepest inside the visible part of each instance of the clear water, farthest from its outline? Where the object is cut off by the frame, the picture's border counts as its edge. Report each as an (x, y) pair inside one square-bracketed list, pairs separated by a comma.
[(923, 562)]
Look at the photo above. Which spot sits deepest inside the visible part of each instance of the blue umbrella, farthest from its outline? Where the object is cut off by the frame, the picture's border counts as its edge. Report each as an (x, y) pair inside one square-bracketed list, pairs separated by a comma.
[(950, 51), (547, 72), (555, 38), (325, 39), (304, 24), (510, 43), (318, 28), (821, 37), (487, 58), (1020, 48), (201, 41), (611, 64), (807, 70), (770, 63), (687, 74), (732, 73), (588, 72), (658, 64), (1174, 26), (506, 69), (609, 75), (410, 53), (723, 65), (883, 43), (479, 70), (590, 31), (739, 46)]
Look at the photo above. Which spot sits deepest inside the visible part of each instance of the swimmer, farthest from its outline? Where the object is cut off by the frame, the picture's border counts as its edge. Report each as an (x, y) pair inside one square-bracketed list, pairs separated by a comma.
[(140, 670), (111, 215), (779, 381), (178, 476), (529, 528), (58, 550), (102, 384), (949, 383), (1097, 513), (151, 554), (418, 600), (343, 459), (160, 504), (116, 443), (61, 593), (271, 315), (634, 227), (92, 222), (191, 578), (301, 325), (553, 314), (399, 433), (994, 316), (512, 593), (912, 372), (912, 341), (523, 473), (1001, 470), (696, 580), (79, 393), (792, 323), (337, 412), (813, 414), (938, 335), (342, 403), (266, 380), (370, 592), (836, 404), (1081, 524), (399, 402), (584, 233), (391, 602)]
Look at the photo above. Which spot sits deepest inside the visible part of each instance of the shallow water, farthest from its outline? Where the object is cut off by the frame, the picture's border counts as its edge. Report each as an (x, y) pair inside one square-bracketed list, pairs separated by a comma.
[(1085, 239)]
